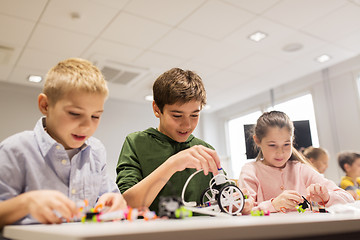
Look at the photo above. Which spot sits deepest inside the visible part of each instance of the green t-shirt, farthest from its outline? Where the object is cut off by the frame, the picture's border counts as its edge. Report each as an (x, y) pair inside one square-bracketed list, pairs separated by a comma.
[(143, 152)]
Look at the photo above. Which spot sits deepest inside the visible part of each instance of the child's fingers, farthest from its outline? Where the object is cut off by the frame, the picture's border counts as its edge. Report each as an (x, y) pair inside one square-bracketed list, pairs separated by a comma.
[(295, 199), (206, 159), (117, 202), (200, 161), (63, 205), (213, 155), (245, 191), (310, 190), (317, 189), (47, 215), (293, 196), (212, 159)]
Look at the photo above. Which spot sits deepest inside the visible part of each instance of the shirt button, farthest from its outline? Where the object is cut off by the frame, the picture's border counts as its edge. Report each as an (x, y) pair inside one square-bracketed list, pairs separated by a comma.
[(73, 191), (63, 162), (282, 188), (57, 147)]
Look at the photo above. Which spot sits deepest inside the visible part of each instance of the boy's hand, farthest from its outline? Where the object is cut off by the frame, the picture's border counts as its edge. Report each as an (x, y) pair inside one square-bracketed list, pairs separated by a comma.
[(318, 193), (199, 157), (115, 201), (49, 206), (288, 199)]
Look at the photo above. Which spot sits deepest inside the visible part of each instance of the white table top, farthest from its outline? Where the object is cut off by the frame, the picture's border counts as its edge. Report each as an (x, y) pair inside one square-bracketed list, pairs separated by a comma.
[(241, 227)]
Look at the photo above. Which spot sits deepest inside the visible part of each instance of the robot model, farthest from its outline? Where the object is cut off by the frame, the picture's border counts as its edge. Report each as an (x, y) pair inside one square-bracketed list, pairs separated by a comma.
[(221, 197)]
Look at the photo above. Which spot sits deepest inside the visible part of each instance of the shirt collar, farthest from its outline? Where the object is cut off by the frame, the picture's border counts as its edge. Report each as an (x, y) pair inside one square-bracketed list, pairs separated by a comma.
[(159, 135)]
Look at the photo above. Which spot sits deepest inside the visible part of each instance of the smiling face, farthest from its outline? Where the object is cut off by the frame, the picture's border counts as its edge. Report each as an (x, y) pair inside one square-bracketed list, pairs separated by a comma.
[(178, 121), (275, 146), (74, 118)]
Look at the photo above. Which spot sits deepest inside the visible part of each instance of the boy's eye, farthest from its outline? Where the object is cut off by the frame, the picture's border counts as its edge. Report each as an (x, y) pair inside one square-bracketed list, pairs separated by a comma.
[(195, 115), (177, 116), (74, 114), (95, 117)]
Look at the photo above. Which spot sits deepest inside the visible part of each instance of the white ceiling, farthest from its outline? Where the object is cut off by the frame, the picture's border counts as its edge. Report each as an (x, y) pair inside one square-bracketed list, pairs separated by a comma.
[(207, 36)]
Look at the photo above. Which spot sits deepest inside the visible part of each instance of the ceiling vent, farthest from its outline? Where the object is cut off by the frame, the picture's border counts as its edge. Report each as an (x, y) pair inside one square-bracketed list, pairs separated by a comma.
[(120, 73)]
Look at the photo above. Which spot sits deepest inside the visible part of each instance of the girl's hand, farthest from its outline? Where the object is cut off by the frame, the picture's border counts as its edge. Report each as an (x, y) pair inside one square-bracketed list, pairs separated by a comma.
[(318, 193), (288, 199), (249, 202)]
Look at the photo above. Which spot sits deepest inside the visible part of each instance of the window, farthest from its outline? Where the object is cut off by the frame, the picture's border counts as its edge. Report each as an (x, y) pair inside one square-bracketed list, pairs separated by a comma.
[(237, 141), (297, 109), (301, 108)]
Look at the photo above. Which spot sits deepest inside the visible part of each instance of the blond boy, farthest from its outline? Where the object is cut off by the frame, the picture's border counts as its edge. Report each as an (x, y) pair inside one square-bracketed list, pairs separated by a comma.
[(44, 172)]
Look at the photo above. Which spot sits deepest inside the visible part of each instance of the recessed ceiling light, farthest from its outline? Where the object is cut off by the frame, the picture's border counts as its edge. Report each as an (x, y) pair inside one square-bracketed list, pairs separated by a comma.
[(35, 78), (323, 58), (149, 98), (258, 36)]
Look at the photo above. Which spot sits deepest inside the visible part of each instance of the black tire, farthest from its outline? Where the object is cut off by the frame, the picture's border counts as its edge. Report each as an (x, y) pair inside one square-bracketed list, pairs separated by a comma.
[(231, 200)]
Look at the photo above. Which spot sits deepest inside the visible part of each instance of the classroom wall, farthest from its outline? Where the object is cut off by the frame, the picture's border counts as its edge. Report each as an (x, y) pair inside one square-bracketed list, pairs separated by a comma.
[(336, 104)]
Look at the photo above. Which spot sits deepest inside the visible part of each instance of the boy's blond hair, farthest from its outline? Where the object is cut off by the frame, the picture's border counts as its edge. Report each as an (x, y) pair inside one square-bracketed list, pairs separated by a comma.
[(73, 74), (178, 86)]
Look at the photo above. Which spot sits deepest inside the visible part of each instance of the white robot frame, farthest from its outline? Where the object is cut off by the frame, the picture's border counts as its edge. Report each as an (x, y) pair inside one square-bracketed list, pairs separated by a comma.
[(222, 197)]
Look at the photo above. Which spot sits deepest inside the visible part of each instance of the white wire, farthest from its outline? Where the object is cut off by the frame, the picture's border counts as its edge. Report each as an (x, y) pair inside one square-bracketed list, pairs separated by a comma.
[(188, 204)]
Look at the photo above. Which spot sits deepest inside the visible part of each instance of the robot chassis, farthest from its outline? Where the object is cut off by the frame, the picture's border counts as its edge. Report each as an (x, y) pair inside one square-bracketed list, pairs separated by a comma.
[(222, 197)]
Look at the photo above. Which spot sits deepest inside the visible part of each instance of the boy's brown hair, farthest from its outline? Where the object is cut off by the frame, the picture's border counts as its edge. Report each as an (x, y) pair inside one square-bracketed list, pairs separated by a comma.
[(347, 157), (178, 86), (73, 74)]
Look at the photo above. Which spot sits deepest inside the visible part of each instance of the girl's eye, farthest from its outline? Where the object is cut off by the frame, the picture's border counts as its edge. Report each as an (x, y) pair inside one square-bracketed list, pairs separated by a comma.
[(177, 116), (74, 114), (195, 115), (95, 117)]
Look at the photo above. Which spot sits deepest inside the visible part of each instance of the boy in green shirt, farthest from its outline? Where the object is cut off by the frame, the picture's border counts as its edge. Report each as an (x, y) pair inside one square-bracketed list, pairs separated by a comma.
[(157, 162)]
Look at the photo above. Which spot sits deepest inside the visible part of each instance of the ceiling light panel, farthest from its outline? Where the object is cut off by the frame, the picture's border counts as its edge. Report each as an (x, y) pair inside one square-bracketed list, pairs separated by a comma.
[(257, 36), (323, 58)]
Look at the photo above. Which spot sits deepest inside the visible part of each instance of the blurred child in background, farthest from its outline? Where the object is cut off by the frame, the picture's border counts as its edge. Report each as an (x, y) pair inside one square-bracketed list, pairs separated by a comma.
[(350, 164), (318, 157)]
